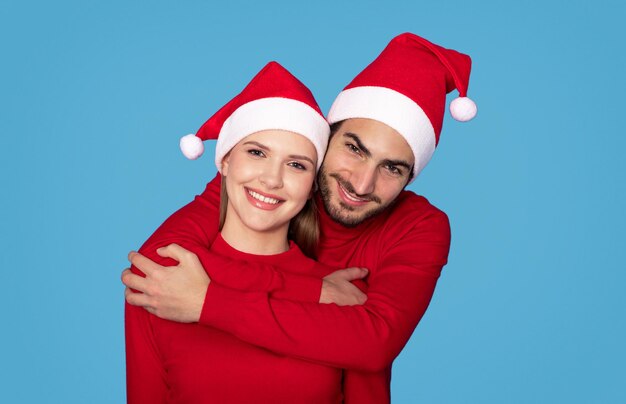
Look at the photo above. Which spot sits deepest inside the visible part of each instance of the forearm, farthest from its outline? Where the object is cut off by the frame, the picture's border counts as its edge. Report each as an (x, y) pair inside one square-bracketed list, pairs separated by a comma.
[(364, 337), (258, 277)]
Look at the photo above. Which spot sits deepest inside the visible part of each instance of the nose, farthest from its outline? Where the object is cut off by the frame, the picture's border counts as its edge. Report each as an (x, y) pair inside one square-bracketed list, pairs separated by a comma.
[(364, 180), (272, 176)]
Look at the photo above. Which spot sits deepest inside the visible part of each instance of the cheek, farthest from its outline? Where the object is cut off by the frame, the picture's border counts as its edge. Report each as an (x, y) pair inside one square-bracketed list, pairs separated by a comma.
[(241, 169), (388, 191), (230, 180), (339, 160), (299, 187)]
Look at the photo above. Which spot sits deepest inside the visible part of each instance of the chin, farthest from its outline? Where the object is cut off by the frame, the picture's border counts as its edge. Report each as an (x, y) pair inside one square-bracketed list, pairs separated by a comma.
[(345, 216), (349, 217), (261, 227)]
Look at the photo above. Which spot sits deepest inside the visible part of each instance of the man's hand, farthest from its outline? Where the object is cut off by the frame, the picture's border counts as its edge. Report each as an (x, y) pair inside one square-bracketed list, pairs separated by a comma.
[(338, 287), (172, 293)]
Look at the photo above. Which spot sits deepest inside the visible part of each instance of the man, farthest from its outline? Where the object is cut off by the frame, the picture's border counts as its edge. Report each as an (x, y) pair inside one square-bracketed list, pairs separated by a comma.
[(386, 125)]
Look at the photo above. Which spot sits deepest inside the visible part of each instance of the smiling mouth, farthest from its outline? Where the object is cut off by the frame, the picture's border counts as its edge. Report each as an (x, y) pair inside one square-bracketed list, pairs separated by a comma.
[(263, 198), (350, 200)]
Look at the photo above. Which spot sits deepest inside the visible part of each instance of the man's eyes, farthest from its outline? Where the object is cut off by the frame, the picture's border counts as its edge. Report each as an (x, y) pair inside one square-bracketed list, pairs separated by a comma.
[(394, 170), (353, 148)]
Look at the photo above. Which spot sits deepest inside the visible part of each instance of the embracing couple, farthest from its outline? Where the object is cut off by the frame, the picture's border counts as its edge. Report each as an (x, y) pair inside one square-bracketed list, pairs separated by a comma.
[(301, 271)]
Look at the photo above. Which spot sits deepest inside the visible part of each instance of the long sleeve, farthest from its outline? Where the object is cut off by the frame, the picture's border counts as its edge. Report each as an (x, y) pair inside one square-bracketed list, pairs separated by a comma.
[(195, 227), (145, 374), (364, 337)]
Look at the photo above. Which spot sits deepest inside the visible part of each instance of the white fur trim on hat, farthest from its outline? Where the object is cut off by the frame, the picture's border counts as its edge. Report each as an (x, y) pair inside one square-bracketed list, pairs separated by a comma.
[(272, 113), (391, 108)]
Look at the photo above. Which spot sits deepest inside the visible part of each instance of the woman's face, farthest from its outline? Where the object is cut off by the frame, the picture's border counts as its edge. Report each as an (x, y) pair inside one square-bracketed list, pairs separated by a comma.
[(269, 177)]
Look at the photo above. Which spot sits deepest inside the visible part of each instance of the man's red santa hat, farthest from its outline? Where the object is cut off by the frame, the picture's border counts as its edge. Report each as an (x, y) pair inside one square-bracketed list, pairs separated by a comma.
[(405, 88), (274, 99)]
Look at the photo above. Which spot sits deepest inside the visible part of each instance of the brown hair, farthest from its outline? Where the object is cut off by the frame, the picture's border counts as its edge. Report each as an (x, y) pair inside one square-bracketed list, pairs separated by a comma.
[(304, 228)]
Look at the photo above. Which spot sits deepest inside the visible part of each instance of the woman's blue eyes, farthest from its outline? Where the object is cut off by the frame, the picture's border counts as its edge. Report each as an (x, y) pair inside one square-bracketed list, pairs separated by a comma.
[(260, 153), (297, 165)]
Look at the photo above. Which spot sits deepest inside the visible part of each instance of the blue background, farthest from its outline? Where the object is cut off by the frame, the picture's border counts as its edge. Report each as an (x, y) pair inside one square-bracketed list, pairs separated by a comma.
[(93, 99)]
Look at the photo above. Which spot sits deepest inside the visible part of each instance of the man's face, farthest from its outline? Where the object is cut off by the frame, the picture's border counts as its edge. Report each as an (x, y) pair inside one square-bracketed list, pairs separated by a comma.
[(366, 166)]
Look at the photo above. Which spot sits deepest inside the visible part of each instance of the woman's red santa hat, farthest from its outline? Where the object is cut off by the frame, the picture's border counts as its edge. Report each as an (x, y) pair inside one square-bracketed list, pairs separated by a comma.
[(274, 99), (405, 88)]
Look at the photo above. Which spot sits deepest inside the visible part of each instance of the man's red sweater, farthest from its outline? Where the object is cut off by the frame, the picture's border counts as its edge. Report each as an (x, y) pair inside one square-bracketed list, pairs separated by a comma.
[(404, 248)]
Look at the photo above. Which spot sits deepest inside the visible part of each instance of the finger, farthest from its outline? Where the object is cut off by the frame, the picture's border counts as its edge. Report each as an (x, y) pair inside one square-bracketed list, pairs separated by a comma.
[(125, 272), (357, 297), (137, 299), (143, 263), (177, 253), (353, 273), (135, 281)]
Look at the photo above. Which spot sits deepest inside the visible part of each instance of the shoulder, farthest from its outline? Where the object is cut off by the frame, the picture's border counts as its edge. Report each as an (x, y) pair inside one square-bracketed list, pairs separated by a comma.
[(416, 229), (412, 211)]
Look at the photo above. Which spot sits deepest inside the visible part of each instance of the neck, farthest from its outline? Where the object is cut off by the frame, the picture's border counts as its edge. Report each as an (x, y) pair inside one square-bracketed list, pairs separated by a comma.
[(250, 241)]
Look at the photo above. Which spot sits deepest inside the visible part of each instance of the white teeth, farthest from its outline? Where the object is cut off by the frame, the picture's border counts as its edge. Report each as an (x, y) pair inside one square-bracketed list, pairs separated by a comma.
[(349, 196), (262, 198)]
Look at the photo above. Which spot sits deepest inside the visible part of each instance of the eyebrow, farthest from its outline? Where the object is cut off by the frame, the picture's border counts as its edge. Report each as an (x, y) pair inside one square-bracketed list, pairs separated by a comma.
[(299, 157), (358, 142), (291, 156), (259, 145)]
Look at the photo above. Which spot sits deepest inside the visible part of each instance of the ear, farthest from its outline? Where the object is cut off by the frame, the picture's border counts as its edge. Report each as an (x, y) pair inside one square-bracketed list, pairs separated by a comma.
[(225, 164)]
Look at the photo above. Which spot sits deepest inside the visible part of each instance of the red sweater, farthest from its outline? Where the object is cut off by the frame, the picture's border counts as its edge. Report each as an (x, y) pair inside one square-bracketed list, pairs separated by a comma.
[(404, 248), (190, 363)]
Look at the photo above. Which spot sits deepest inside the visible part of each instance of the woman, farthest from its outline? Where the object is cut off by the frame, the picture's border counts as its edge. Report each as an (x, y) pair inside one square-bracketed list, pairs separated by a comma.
[(271, 140)]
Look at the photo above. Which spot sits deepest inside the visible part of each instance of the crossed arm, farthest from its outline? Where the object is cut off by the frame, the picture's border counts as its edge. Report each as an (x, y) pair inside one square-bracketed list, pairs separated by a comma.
[(178, 295), (177, 292), (366, 337)]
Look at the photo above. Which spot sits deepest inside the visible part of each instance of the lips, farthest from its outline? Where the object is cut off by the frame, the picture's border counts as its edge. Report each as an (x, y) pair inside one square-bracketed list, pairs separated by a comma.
[(263, 201), (349, 198)]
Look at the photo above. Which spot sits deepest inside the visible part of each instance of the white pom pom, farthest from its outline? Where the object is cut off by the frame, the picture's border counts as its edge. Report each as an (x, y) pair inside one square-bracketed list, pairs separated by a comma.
[(191, 146), (463, 109)]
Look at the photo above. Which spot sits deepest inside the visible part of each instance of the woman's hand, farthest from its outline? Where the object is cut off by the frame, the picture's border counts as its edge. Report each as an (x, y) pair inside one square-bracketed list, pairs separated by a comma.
[(172, 293)]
